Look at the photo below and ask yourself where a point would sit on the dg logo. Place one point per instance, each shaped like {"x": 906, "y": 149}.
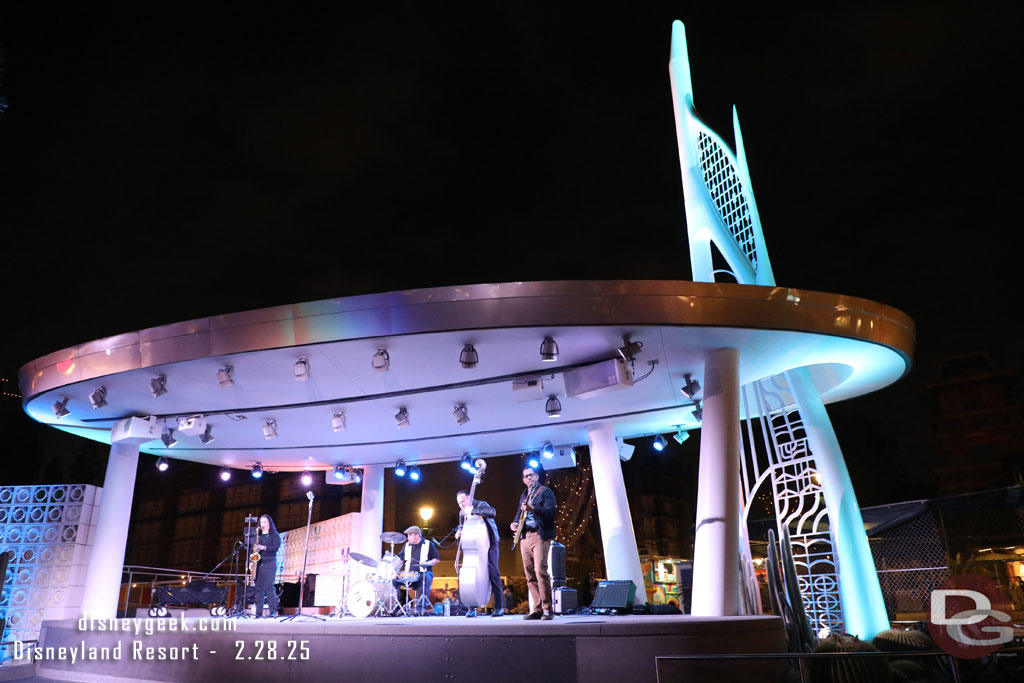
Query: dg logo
{"x": 968, "y": 616}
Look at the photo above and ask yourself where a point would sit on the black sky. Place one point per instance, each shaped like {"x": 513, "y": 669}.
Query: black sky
{"x": 163, "y": 164}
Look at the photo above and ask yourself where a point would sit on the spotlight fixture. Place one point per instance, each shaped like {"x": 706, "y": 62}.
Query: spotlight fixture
{"x": 357, "y": 476}
{"x": 98, "y": 398}
{"x": 533, "y": 462}
{"x": 60, "y": 407}
{"x": 225, "y": 473}
{"x": 306, "y": 478}
{"x": 681, "y": 435}
{"x": 402, "y": 418}
{"x": 548, "y": 451}
{"x": 226, "y": 377}
{"x": 691, "y": 388}
{"x": 207, "y": 436}
{"x": 629, "y": 348}
{"x": 158, "y": 385}
{"x": 162, "y": 464}
{"x": 302, "y": 369}
{"x": 400, "y": 468}
{"x": 339, "y": 471}
{"x": 257, "y": 471}
{"x": 548, "y": 350}
{"x": 270, "y": 430}
{"x": 338, "y": 422}
{"x": 467, "y": 462}
{"x": 381, "y": 361}
{"x": 460, "y": 414}
{"x": 659, "y": 443}
{"x": 168, "y": 437}
{"x": 469, "y": 358}
{"x": 553, "y": 407}
{"x": 414, "y": 473}
{"x": 698, "y": 412}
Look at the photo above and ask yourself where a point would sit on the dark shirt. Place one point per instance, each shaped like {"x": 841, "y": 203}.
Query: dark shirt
{"x": 414, "y": 556}
{"x": 544, "y": 510}
{"x": 273, "y": 543}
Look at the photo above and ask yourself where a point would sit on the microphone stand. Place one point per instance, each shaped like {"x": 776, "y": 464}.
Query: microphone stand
{"x": 242, "y": 579}
{"x": 302, "y": 576}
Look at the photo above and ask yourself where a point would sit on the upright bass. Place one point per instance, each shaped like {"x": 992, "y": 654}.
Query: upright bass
{"x": 474, "y": 584}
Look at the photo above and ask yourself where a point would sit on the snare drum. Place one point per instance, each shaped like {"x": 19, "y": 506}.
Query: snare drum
{"x": 408, "y": 577}
{"x": 365, "y": 597}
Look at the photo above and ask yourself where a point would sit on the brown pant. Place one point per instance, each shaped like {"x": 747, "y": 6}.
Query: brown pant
{"x": 535, "y": 562}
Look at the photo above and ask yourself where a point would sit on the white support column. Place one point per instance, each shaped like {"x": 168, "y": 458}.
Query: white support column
{"x": 859, "y": 590}
{"x": 620, "y": 555}
{"x": 371, "y": 517}
{"x": 716, "y": 541}
{"x": 106, "y": 560}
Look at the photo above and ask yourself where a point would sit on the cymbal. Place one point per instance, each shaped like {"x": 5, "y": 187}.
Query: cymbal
{"x": 392, "y": 537}
{"x": 363, "y": 559}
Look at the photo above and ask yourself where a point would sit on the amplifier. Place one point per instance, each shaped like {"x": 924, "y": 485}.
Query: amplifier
{"x": 614, "y": 596}
{"x": 564, "y": 600}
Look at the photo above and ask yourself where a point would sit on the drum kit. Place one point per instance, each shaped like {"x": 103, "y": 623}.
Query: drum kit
{"x": 375, "y": 595}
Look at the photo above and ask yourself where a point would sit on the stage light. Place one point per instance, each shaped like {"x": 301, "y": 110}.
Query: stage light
{"x": 691, "y": 388}
{"x": 270, "y": 430}
{"x": 302, "y": 369}
{"x": 426, "y": 513}
{"x": 460, "y": 414}
{"x": 629, "y": 348}
{"x": 698, "y": 412}
{"x": 414, "y": 473}
{"x": 339, "y": 471}
{"x": 400, "y": 468}
{"x": 168, "y": 437}
{"x": 306, "y": 478}
{"x": 226, "y": 377}
{"x": 469, "y": 358}
{"x": 162, "y": 464}
{"x": 60, "y": 407}
{"x": 467, "y": 462}
{"x": 533, "y": 462}
{"x": 225, "y": 473}
{"x": 681, "y": 435}
{"x": 548, "y": 350}
{"x": 553, "y": 407}
{"x": 381, "y": 361}
{"x": 207, "y": 436}
{"x": 357, "y": 476}
{"x": 338, "y": 421}
{"x": 98, "y": 398}
{"x": 257, "y": 471}
{"x": 402, "y": 418}
{"x": 659, "y": 443}
{"x": 548, "y": 451}
{"x": 158, "y": 385}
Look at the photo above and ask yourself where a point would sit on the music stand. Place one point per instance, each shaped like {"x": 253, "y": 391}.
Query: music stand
{"x": 302, "y": 576}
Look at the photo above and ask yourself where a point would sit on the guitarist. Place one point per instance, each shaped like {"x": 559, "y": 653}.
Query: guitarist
{"x": 468, "y": 506}
{"x": 537, "y": 514}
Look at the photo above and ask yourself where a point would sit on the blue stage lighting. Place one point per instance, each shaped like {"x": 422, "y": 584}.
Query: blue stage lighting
{"x": 257, "y": 471}
{"x": 533, "y": 462}
{"x": 414, "y": 473}
{"x": 400, "y": 468}
{"x": 659, "y": 443}
{"x": 548, "y": 451}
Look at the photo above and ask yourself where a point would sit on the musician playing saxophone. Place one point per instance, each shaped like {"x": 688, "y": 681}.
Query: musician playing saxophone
{"x": 266, "y": 545}
{"x": 482, "y": 509}
{"x": 538, "y": 504}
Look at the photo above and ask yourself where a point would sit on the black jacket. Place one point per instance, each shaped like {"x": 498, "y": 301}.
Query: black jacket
{"x": 483, "y": 509}
{"x": 544, "y": 510}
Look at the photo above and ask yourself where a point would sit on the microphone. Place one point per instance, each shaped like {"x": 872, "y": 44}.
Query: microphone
{"x": 309, "y": 494}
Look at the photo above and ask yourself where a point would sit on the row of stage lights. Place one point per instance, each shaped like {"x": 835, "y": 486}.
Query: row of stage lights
{"x": 341, "y": 472}
{"x": 380, "y": 362}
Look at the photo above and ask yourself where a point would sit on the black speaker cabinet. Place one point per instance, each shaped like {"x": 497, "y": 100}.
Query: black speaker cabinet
{"x": 556, "y": 562}
{"x": 564, "y": 600}
{"x": 614, "y": 596}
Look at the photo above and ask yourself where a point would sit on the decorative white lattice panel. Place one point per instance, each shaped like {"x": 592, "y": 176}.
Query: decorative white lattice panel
{"x": 48, "y": 529}
{"x": 329, "y": 545}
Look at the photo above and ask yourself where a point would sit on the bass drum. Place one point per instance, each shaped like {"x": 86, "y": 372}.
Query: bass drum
{"x": 364, "y": 597}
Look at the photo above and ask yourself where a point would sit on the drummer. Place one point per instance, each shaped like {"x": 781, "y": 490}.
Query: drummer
{"x": 418, "y": 553}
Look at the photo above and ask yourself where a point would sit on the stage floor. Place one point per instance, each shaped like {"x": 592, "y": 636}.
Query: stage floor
{"x": 589, "y": 649}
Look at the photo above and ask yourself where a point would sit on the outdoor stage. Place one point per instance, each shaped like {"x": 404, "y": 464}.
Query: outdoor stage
{"x": 571, "y": 648}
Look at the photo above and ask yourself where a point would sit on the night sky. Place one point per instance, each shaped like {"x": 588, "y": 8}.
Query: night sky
{"x": 161, "y": 165}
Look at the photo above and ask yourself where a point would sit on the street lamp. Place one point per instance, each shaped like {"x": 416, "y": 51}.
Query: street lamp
{"x": 426, "y": 513}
